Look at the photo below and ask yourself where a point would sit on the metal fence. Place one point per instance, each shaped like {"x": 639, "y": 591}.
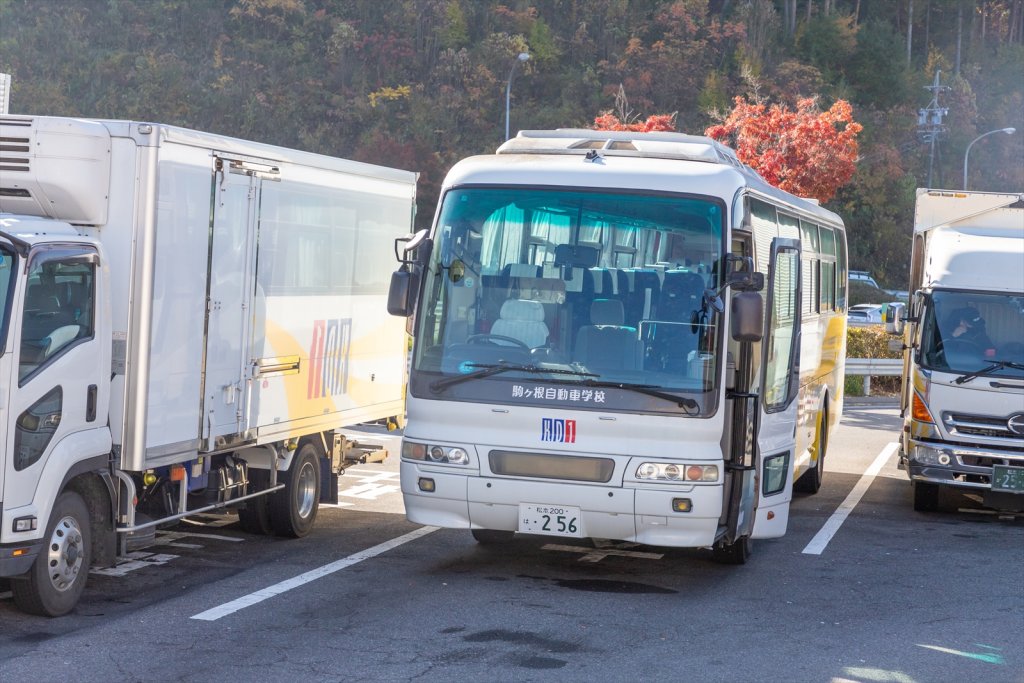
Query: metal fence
{"x": 873, "y": 367}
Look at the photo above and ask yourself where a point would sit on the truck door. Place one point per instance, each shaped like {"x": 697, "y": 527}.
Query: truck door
{"x": 60, "y": 359}
{"x": 780, "y": 384}
{"x": 229, "y": 303}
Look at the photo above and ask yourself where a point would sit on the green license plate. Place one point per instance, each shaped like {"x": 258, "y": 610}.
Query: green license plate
{"x": 1006, "y": 478}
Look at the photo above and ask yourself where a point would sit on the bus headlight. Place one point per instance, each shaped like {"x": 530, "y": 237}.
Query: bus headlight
{"x": 445, "y": 455}
{"x": 661, "y": 471}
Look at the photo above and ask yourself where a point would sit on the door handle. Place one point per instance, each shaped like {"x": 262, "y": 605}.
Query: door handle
{"x": 90, "y": 403}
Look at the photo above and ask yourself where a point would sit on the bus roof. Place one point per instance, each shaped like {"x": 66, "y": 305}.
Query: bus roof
{"x": 667, "y": 162}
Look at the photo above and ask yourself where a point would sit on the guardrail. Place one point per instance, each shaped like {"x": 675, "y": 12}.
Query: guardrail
{"x": 873, "y": 367}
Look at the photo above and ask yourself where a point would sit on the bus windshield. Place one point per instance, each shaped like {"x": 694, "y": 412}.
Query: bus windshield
{"x": 964, "y": 332}
{"x": 553, "y": 296}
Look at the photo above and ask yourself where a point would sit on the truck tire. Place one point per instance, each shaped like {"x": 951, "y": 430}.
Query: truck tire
{"x": 732, "y": 553}
{"x": 926, "y": 496}
{"x": 254, "y": 514}
{"x": 810, "y": 481}
{"x": 55, "y": 583}
{"x": 293, "y": 509}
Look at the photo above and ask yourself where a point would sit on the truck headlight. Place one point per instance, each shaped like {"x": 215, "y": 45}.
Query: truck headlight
{"x": 663, "y": 471}
{"x": 926, "y": 455}
{"x": 446, "y": 455}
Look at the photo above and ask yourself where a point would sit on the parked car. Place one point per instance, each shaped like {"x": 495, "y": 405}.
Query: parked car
{"x": 864, "y": 276}
{"x": 865, "y": 314}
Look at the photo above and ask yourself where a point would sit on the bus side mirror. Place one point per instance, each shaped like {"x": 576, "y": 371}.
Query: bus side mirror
{"x": 747, "y": 320}
{"x": 895, "y": 318}
{"x": 402, "y": 292}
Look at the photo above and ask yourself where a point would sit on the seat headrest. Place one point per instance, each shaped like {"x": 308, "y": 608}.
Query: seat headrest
{"x": 522, "y": 309}
{"x": 607, "y": 312}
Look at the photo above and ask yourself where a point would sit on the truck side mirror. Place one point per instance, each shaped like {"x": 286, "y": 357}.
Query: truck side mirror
{"x": 747, "y": 320}
{"x": 895, "y": 318}
{"x": 402, "y": 292}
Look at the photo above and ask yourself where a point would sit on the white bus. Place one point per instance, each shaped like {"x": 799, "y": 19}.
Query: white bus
{"x": 594, "y": 357}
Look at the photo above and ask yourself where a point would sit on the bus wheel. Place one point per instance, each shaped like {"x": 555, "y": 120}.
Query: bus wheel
{"x": 810, "y": 481}
{"x": 732, "y": 553}
{"x": 55, "y": 582}
{"x": 293, "y": 508}
{"x": 254, "y": 514}
{"x": 926, "y": 496}
{"x": 492, "y": 536}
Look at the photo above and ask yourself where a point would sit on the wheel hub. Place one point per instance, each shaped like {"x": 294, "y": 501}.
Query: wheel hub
{"x": 65, "y": 553}
{"x": 305, "y": 490}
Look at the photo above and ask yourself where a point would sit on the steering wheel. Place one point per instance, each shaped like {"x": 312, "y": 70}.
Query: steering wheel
{"x": 961, "y": 349}
{"x": 492, "y": 338}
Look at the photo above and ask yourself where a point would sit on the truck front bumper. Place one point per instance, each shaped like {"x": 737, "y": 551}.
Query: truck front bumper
{"x": 956, "y": 465}
{"x": 16, "y": 559}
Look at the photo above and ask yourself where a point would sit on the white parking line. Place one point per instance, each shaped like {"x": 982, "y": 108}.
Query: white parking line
{"x": 821, "y": 539}
{"x": 284, "y": 586}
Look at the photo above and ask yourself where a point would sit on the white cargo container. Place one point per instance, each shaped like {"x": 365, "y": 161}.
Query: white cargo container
{"x": 189, "y": 320}
{"x": 963, "y": 380}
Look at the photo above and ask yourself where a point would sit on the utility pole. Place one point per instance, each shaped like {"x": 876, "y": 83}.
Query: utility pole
{"x": 929, "y": 121}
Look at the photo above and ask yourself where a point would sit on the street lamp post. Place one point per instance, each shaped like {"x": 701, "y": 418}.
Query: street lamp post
{"x": 521, "y": 57}
{"x": 1008, "y": 131}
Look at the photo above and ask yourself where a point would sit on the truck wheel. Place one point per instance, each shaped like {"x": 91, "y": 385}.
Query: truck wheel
{"x": 732, "y": 553}
{"x": 55, "y": 582}
{"x": 492, "y": 536}
{"x": 254, "y": 515}
{"x": 810, "y": 481}
{"x": 293, "y": 508}
{"x": 926, "y": 496}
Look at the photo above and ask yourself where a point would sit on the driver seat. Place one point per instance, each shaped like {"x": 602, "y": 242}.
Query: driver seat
{"x": 522, "y": 319}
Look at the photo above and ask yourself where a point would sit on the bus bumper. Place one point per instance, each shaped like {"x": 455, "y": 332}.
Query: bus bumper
{"x": 640, "y": 515}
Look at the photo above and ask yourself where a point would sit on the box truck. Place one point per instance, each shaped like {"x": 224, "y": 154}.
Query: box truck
{"x": 189, "y": 321}
{"x": 962, "y": 398}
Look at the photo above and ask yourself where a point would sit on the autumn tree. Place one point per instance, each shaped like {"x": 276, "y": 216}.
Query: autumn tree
{"x": 623, "y": 118}
{"x": 808, "y": 152}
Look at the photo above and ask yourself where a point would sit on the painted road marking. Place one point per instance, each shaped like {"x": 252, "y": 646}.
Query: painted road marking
{"x": 822, "y": 538}
{"x": 604, "y": 549}
{"x": 266, "y": 593}
{"x": 368, "y": 491}
{"x": 135, "y": 560}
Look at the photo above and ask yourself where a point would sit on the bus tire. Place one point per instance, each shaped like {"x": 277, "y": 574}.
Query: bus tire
{"x": 293, "y": 509}
{"x": 732, "y": 553}
{"x": 492, "y": 536}
{"x": 57, "y": 578}
{"x": 926, "y": 496}
{"x": 810, "y": 481}
{"x": 254, "y": 514}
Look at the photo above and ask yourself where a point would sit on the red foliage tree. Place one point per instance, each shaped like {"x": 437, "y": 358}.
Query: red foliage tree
{"x": 808, "y": 152}
{"x": 656, "y": 122}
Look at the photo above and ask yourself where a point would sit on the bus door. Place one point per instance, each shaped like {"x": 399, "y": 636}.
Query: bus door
{"x": 780, "y": 385}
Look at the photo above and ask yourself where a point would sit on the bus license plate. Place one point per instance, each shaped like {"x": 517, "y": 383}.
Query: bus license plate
{"x": 1006, "y": 478}
{"x": 551, "y": 520}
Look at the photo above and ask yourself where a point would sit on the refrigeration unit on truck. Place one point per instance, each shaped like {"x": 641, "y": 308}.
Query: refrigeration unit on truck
{"x": 623, "y": 336}
{"x": 189, "y": 320}
{"x": 963, "y": 381}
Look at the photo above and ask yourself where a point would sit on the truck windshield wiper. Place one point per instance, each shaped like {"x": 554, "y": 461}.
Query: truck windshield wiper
{"x": 996, "y": 365}
{"x": 486, "y": 370}
{"x": 648, "y": 389}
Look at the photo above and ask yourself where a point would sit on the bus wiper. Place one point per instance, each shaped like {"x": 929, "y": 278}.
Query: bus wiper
{"x": 650, "y": 390}
{"x": 486, "y": 370}
{"x": 996, "y": 365}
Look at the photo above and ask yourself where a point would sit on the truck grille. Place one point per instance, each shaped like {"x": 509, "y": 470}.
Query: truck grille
{"x": 550, "y": 466}
{"x": 14, "y": 145}
{"x": 960, "y": 424}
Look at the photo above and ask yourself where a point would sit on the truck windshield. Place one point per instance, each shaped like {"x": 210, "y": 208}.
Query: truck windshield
{"x": 964, "y": 332}
{"x": 588, "y": 290}
{"x": 7, "y": 271}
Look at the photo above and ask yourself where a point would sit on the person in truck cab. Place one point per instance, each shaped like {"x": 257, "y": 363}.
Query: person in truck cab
{"x": 970, "y": 328}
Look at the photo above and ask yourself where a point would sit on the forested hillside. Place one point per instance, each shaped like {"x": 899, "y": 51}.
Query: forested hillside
{"x": 418, "y": 84}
